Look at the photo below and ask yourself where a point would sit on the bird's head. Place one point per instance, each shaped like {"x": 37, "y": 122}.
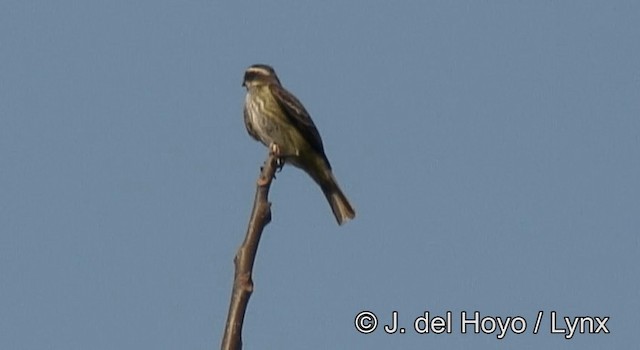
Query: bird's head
{"x": 259, "y": 74}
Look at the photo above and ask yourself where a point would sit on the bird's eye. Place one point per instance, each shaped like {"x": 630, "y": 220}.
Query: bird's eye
{"x": 251, "y": 76}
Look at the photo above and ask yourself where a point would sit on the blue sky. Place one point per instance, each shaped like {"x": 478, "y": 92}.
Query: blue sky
{"x": 491, "y": 149}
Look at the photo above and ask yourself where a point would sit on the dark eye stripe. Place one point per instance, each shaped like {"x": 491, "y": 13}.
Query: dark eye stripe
{"x": 252, "y": 75}
{"x": 260, "y": 72}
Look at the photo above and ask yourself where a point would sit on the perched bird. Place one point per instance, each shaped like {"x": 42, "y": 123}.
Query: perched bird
{"x": 273, "y": 116}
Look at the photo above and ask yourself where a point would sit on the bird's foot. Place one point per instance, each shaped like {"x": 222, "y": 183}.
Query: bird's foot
{"x": 279, "y": 165}
{"x": 275, "y": 150}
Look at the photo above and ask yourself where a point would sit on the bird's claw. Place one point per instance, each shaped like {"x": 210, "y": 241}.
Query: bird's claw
{"x": 275, "y": 150}
{"x": 279, "y": 165}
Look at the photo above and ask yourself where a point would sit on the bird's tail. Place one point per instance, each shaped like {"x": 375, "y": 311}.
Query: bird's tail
{"x": 342, "y": 209}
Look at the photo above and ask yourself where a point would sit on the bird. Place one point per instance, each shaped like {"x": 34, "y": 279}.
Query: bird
{"x": 277, "y": 119}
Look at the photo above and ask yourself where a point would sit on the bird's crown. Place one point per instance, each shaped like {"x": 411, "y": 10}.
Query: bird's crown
{"x": 260, "y": 73}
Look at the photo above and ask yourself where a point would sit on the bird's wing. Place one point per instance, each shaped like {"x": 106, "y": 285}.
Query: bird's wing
{"x": 298, "y": 116}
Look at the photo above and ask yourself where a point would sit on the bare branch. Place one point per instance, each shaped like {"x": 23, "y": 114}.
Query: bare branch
{"x": 246, "y": 255}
